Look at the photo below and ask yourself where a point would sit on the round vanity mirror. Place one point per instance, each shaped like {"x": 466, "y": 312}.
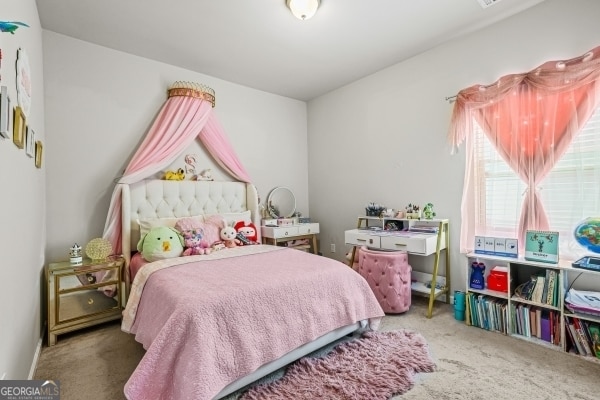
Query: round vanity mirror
{"x": 281, "y": 203}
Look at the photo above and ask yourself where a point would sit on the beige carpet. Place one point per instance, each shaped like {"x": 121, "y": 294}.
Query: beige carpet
{"x": 95, "y": 363}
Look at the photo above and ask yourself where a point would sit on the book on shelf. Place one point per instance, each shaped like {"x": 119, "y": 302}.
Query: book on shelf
{"x": 552, "y": 281}
{"x": 556, "y": 293}
{"x": 533, "y": 322}
{"x": 570, "y": 328}
{"x": 530, "y": 287}
{"x": 582, "y": 337}
{"x": 544, "y": 297}
{"x": 557, "y": 328}
{"x": 538, "y": 323}
{"x": 539, "y": 289}
{"x": 545, "y": 333}
{"x": 594, "y": 330}
{"x": 468, "y": 309}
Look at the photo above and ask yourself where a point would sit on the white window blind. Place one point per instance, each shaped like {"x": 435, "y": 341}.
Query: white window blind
{"x": 570, "y": 192}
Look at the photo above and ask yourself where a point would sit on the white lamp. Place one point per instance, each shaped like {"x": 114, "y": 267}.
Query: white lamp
{"x": 303, "y": 9}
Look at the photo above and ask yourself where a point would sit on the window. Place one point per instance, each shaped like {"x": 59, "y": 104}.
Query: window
{"x": 570, "y": 192}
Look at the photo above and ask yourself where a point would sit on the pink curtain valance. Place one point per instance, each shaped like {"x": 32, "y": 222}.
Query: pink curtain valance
{"x": 552, "y": 78}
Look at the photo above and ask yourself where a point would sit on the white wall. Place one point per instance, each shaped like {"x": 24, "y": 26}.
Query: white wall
{"x": 383, "y": 138}
{"x": 100, "y": 103}
{"x": 22, "y": 208}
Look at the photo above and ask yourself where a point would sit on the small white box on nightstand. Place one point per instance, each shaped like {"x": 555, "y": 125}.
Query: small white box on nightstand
{"x": 269, "y": 222}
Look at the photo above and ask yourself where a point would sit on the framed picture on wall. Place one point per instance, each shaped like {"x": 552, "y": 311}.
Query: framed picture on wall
{"x": 39, "y": 149}
{"x": 30, "y": 142}
{"x": 19, "y": 127}
{"x": 4, "y": 112}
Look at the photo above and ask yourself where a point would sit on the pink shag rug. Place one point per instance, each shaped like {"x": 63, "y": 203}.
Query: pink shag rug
{"x": 376, "y": 366}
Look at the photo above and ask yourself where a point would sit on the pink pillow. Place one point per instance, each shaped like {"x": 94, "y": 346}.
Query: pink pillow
{"x": 189, "y": 223}
{"x": 212, "y": 228}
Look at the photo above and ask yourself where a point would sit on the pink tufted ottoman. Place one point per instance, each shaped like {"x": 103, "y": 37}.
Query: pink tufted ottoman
{"x": 388, "y": 275}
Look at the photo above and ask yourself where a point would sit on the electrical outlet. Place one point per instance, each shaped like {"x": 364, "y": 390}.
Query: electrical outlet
{"x": 333, "y": 247}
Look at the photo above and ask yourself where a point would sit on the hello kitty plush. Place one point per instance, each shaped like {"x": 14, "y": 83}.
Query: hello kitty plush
{"x": 228, "y": 235}
{"x": 194, "y": 242}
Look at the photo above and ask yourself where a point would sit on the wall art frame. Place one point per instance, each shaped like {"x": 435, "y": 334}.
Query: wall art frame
{"x": 30, "y": 142}
{"x": 39, "y": 152}
{"x": 19, "y": 127}
{"x": 24, "y": 86}
{"x": 5, "y": 113}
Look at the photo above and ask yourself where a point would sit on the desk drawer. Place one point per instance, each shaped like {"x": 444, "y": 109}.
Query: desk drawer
{"x": 308, "y": 229}
{"x": 419, "y": 244}
{"x": 357, "y": 238}
{"x": 279, "y": 232}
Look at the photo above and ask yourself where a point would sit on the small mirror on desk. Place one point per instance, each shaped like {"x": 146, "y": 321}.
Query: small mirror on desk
{"x": 281, "y": 203}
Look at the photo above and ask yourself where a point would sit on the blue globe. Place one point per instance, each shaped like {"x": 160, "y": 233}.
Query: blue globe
{"x": 587, "y": 234}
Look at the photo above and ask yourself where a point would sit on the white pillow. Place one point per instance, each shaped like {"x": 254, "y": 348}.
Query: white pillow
{"x": 147, "y": 224}
{"x": 232, "y": 218}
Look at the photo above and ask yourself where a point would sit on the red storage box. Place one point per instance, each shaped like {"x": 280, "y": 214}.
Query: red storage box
{"x": 498, "y": 279}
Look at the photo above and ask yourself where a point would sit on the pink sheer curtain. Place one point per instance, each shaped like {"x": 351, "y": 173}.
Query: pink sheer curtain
{"x": 531, "y": 119}
{"x": 186, "y": 115}
{"x": 219, "y": 147}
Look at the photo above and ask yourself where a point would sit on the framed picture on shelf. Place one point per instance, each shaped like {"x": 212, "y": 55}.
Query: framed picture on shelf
{"x": 19, "y": 127}
{"x": 39, "y": 150}
{"x": 541, "y": 246}
{"x": 4, "y": 113}
{"x": 30, "y": 142}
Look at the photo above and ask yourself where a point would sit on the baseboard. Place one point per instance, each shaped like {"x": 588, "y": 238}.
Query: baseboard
{"x": 36, "y": 355}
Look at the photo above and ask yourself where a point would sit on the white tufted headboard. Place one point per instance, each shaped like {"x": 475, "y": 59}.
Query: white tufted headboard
{"x": 150, "y": 199}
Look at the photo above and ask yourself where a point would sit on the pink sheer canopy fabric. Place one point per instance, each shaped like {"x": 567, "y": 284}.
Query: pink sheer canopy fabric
{"x": 531, "y": 119}
{"x": 186, "y": 115}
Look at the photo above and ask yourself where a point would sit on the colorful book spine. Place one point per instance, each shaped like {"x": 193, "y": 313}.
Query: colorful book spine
{"x": 582, "y": 338}
{"x": 551, "y": 287}
{"x": 545, "y": 326}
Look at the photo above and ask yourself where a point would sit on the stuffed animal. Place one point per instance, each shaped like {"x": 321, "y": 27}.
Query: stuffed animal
{"x": 428, "y": 211}
{"x": 217, "y": 246}
{"x": 194, "y": 242}
{"x": 248, "y": 230}
{"x": 205, "y": 175}
{"x": 228, "y": 235}
{"x": 160, "y": 243}
{"x": 178, "y": 175}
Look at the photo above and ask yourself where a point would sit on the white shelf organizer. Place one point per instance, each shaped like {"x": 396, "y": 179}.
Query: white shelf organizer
{"x": 371, "y": 232}
{"x": 519, "y": 271}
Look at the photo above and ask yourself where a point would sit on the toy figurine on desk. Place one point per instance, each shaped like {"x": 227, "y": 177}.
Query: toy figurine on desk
{"x": 428, "y": 212}
{"x": 477, "y": 281}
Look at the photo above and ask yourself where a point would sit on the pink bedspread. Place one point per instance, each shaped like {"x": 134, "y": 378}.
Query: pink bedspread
{"x": 206, "y": 323}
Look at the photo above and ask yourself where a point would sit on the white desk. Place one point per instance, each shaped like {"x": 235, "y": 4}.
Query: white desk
{"x": 416, "y": 243}
{"x": 281, "y": 234}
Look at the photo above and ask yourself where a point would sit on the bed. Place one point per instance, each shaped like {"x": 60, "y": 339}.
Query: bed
{"x": 212, "y": 324}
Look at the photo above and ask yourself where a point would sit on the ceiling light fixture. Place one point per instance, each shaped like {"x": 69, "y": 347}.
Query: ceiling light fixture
{"x": 303, "y": 9}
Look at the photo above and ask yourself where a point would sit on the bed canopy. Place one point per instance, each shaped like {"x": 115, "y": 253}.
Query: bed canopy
{"x": 186, "y": 115}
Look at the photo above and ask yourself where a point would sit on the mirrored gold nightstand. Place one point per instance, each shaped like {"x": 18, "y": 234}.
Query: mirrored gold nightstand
{"x": 83, "y": 295}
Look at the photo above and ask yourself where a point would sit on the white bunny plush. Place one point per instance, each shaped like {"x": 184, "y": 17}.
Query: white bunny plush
{"x": 228, "y": 235}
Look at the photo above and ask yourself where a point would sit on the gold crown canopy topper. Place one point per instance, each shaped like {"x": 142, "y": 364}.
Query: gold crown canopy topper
{"x": 192, "y": 89}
